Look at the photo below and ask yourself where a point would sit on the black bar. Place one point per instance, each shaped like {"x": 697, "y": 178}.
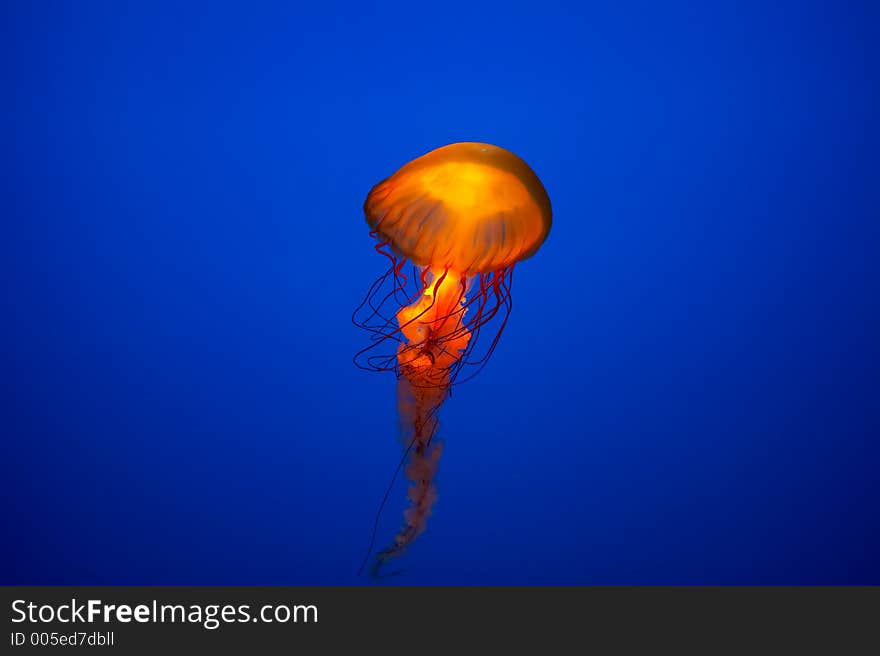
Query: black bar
{"x": 414, "y": 619}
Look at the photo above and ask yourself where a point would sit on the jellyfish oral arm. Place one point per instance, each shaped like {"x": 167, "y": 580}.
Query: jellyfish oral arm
{"x": 426, "y": 327}
{"x": 435, "y": 337}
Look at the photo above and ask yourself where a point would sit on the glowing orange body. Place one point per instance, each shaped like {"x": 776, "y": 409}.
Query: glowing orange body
{"x": 465, "y": 213}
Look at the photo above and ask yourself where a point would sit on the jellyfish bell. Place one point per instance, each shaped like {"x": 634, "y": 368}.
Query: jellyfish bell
{"x": 452, "y": 224}
{"x": 467, "y": 207}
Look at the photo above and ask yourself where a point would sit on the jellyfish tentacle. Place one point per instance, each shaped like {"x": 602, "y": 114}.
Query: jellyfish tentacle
{"x": 435, "y": 336}
{"x": 433, "y": 318}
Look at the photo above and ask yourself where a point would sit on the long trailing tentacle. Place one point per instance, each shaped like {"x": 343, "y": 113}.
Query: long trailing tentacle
{"x": 486, "y": 309}
{"x": 426, "y": 328}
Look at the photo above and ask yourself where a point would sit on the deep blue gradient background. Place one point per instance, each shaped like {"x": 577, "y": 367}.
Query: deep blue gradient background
{"x": 687, "y": 391}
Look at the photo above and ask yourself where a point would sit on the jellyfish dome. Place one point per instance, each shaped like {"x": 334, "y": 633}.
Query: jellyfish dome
{"x": 469, "y": 207}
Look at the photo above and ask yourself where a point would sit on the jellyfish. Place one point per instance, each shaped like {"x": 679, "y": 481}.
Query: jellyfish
{"x": 452, "y": 225}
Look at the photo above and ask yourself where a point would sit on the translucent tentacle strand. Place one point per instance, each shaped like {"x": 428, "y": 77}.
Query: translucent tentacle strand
{"x": 425, "y": 327}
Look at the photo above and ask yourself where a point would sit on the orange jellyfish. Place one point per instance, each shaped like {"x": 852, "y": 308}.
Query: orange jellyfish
{"x": 462, "y": 216}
